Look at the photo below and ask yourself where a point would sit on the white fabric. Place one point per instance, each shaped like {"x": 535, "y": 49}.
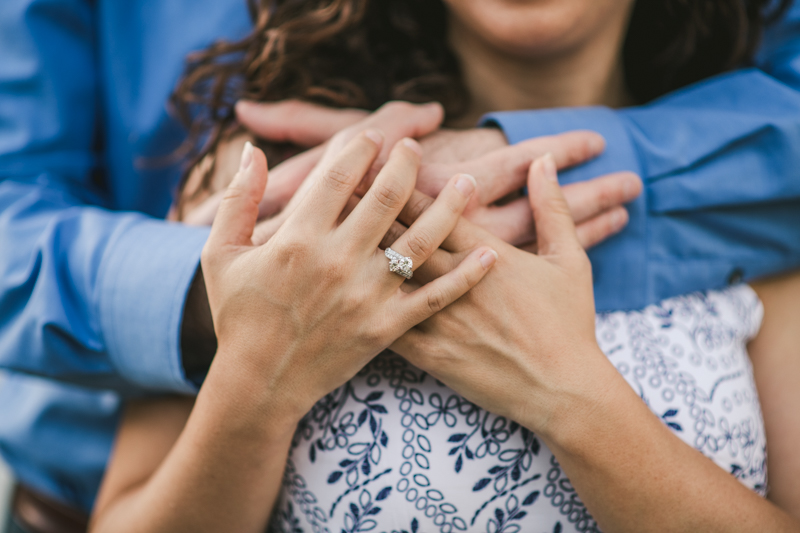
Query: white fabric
{"x": 394, "y": 450}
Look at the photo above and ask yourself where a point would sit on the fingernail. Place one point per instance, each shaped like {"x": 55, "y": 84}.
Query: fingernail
{"x": 549, "y": 167}
{"x": 414, "y": 145}
{"x": 375, "y": 136}
{"x": 247, "y": 156}
{"x": 597, "y": 144}
{"x": 618, "y": 220}
{"x": 466, "y": 185}
{"x": 488, "y": 258}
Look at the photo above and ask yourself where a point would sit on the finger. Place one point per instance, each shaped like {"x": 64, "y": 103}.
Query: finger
{"x": 285, "y": 180}
{"x": 403, "y": 119}
{"x": 555, "y": 230}
{"x": 435, "y": 224}
{"x": 437, "y": 263}
{"x": 505, "y": 170}
{"x": 328, "y": 195}
{"x": 465, "y": 236}
{"x": 296, "y": 122}
{"x": 591, "y": 203}
{"x": 434, "y": 296}
{"x": 588, "y": 199}
{"x": 267, "y": 228}
{"x": 238, "y": 210}
{"x": 396, "y": 231}
{"x": 374, "y": 214}
{"x": 512, "y": 223}
{"x": 597, "y": 229}
{"x": 398, "y": 120}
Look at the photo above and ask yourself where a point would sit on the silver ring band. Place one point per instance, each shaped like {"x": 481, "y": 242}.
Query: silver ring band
{"x": 399, "y": 264}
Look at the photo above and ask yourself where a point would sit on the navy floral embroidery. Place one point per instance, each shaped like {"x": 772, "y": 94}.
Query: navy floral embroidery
{"x": 395, "y": 451}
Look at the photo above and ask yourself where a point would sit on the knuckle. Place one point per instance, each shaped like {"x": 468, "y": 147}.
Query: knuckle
{"x": 605, "y": 197}
{"x": 420, "y": 244}
{"x": 557, "y": 206}
{"x": 234, "y": 193}
{"x": 339, "y": 179}
{"x": 455, "y": 205}
{"x": 436, "y": 300}
{"x": 417, "y": 206}
{"x": 388, "y": 196}
{"x": 294, "y": 250}
{"x": 465, "y": 280}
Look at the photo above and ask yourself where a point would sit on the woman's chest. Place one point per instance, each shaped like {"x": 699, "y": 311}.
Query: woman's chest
{"x": 394, "y": 450}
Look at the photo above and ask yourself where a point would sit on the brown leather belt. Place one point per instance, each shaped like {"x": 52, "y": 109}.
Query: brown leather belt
{"x": 39, "y": 514}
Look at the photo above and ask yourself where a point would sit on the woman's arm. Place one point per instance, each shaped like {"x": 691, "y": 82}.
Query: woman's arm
{"x": 331, "y": 303}
{"x": 522, "y": 345}
{"x": 217, "y": 469}
{"x": 775, "y": 353}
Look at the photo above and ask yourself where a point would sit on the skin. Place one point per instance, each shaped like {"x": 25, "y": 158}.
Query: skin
{"x": 500, "y": 169}
{"x": 316, "y": 277}
{"x": 222, "y": 458}
{"x": 548, "y": 53}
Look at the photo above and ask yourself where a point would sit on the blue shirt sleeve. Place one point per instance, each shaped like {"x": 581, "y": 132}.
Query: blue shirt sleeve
{"x": 87, "y": 294}
{"x": 721, "y": 165}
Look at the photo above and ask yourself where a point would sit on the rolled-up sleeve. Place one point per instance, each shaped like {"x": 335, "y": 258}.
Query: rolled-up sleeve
{"x": 87, "y": 294}
{"x": 721, "y": 165}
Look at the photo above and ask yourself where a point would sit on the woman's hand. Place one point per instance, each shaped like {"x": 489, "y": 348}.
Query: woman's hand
{"x": 300, "y": 315}
{"x": 521, "y": 344}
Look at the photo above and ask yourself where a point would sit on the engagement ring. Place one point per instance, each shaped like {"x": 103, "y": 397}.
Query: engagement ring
{"x": 399, "y": 264}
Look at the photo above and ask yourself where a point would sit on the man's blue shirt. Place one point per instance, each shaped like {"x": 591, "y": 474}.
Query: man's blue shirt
{"x": 92, "y": 282}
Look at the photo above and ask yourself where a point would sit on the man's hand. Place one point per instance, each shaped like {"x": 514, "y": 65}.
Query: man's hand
{"x": 499, "y": 169}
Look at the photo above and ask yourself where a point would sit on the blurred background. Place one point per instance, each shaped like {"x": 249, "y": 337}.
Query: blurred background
{"x": 5, "y": 491}
{"x": 5, "y": 486}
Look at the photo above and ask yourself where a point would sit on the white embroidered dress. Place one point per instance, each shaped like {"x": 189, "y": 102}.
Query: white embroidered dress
{"x": 396, "y": 451}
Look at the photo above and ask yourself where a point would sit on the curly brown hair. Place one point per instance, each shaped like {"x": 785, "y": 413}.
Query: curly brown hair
{"x": 363, "y": 53}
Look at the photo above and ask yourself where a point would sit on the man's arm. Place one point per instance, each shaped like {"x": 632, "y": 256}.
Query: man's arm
{"x": 720, "y": 161}
{"x": 86, "y": 294}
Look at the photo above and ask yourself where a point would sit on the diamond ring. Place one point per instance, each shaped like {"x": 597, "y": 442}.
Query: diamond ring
{"x": 399, "y": 264}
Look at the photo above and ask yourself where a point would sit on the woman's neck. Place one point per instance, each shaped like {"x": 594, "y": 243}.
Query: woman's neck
{"x": 591, "y": 74}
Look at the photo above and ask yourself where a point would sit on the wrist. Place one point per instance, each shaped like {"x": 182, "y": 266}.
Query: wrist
{"x": 245, "y": 400}
{"x": 589, "y": 409}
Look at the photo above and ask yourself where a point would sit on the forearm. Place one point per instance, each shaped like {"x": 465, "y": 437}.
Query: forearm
{"x": 223, "y": 473}
{"x": 634, "y": 475}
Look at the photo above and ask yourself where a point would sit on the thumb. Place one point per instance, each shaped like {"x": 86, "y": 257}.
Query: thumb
{"x": 555, "y": 230}
{"x": 238, "y": 210}
{"x": 296, "y": 122}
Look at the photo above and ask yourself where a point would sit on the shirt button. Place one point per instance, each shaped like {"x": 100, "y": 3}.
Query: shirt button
{"x": 736, "y": 276}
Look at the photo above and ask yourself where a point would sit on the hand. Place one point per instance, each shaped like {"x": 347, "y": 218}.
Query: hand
{"x": 522, "y": 343}
{"x": 286, "y": 185}
{"x": 483, "y": 152}
{"x": 303, "y": 313}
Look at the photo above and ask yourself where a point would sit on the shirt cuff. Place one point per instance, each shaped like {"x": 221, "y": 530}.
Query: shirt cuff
{"x": 619, "y": 155}
{"x": 144, "y": 278}
{"x": 617, "y": 284}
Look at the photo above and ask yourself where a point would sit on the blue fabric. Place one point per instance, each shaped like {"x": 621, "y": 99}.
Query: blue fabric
{"x": 92, "y": 283}
{"x": 721, "y": 165}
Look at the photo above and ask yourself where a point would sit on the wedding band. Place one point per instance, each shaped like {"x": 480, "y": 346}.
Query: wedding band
{"x": 399, "y": 264}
